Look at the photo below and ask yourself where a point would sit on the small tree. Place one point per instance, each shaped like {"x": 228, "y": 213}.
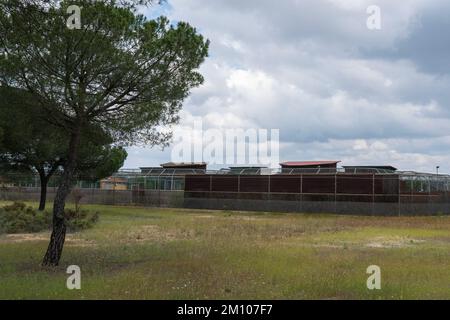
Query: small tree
{"x": 30, "y": 145}
{"x": 120, "y": 71}
{"x": 77, "y": 195}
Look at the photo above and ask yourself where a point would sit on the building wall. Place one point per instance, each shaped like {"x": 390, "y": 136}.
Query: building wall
{"x": 106, "y": 185}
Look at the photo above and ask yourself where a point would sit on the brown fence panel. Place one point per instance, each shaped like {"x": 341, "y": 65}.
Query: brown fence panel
{"x": 318, "y": 184}
{"x": 253, "y": 183}
{"x": 227, "y": 183}
{"x": 285, "y": 184}
{"x": 197, "y": 183}
{"x": 355, "y": 184}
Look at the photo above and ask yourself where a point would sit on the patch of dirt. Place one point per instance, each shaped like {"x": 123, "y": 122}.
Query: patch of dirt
{"x": 77, "y": 242}
{"x": 155, "y": 233}
{"x": 204, "y": 216}
{"x": 239, "y": 218}
{"x": 24, "y": 237}
{"x": 332, "y": 246}
{"x": 71, "y": 240}
{"x": 247, "y": 218}
{"x": 377, "y": 242}
{"x": 394, "y": 242}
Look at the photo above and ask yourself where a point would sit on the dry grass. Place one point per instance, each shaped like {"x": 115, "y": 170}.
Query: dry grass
{"x": 142, "y": 253}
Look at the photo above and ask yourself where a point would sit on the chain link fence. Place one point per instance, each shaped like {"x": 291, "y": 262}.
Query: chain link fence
{"x": 395, "y": 194}
{"x": 340, "y": 193}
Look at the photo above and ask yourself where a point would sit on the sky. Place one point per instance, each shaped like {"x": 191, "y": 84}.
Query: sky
{"x": 335, "y": 89}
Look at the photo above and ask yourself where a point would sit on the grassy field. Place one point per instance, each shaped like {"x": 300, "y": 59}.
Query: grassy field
{"x": 137, "y": 253}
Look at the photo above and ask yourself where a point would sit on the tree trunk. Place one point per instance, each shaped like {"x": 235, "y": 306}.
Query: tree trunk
{"x": 44, "y": 181}
{"x": 58, "y": 236}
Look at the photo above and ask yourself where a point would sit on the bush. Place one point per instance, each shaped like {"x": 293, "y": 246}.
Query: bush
{"x": 18, "y": 218}
{"x": 80, "y": 219}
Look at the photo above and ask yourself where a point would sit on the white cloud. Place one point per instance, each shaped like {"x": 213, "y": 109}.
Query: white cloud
{"x": 312, "y": 69}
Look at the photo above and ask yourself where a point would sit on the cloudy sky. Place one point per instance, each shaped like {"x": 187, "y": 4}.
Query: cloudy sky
{"x": 334, "y": 88}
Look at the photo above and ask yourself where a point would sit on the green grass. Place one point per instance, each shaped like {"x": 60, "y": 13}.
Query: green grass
{"x": 138, "y": 253}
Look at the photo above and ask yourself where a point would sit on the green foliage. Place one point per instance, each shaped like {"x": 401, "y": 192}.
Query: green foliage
{"x": 77, "y": 220}
{"x": 119, "y": 72}
{"x": 28, "y": 141}
{"x": 20, "y": 218}
{"x": 101, "y": 162}
{"x": 122, "y": 72}
{"x": 30, "y": 144}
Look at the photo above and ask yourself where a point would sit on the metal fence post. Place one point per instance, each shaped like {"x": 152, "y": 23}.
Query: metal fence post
{"x": 373, "y": 194}
{"x": 159, "y": 191}
{"x": 301, "y": 192}
{"x": 335, "y": 193}
{"x": 399, "y": 197}
{"x": 114, "y": 194}
{"x": 301, "y": 184}
{"x": 429, "y": 193}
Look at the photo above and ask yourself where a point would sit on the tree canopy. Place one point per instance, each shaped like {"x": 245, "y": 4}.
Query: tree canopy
{"x": 125, "y": 73}
{"x": 30, "y": 145}
{"x": 118, "y": 72}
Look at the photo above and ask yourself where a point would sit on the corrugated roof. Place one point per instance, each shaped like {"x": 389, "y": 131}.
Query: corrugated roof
{"x": 386, "y": 167}
{"x": 183, "y": 164}
{"x": 307, "y": 163}
{"x": 114, "y": 179}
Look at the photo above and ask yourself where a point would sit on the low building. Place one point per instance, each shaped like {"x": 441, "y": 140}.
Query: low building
{"x": 176, "y": 168}
{"x": 114, "y": 183}
{"x": 255, "y": 170}
{"x": 308, "y": 166}
{"x": 169, "y": 176}
{"x": 184, "y": 165}
{"x": 369, "y": 169}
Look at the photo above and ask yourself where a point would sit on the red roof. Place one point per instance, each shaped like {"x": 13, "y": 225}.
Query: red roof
{"x": 307, "y": 163}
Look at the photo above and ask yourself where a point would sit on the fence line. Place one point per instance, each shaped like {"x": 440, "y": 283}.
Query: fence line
{"x": 377, "y": 194}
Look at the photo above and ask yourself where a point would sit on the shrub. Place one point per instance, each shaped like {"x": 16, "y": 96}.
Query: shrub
{"x": 80, "y": 219}
{"x": 18, "y": 218}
